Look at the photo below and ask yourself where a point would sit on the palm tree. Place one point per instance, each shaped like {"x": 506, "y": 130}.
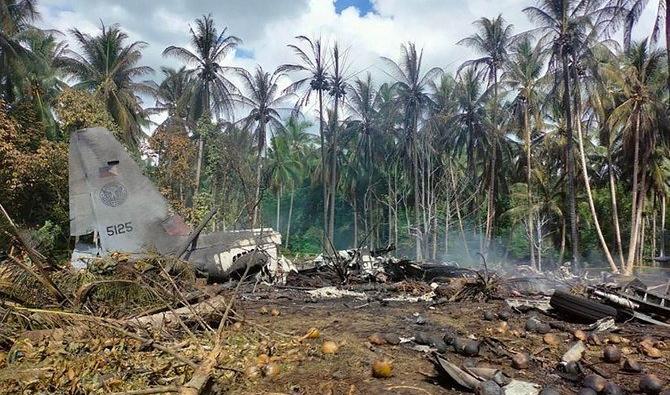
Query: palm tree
{"x": 641, "y": 117}
{"x": 633, "y": 10}
{"x": 109, "y": 67}
{"x": 300, "y": 143}
{"x": 523, "y": 75}
{"x": 284, "y": 167}
{"x": 337, "y": 89}
{"x": 16, "y": 17}
{"x": 212, "y": 91}
{"x": 173, "y": 95}
{"x": 42, "y": 76}
{"x": 313, "y": 63}
{"x": 262, "y": 96}
{"x": 413, "y": 96}
{"x": 563, "y": 26}
{"x": 492, "y": 40}
{"x": 367, "y": 146}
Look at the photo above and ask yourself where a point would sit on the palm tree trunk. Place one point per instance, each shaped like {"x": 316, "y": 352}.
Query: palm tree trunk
{"x": 355, "y": 222}
{"x": 561, "y": 253}
{"x": 395, "y": 208}
{"x": 434, "y": 230}
{"x": 415, "y": 165}
{"x": 585, "y": 175}
{"x": 324, "y": 179}
{"x": 539, "y": 245}
{"x": 458, "y": 214}
{"x": 198, "y": 167}
{"x": 635, "y": 230}
{"x": 667, "y": 40}
{"x": 259, "y": 171}
{"x": 389, "y": 212}
{"x": 333, "y": 177}
{"x": 663, "y": 224}
{"x": 574, "y": 241}
{"x": 653, "y": 228}
{"x": 615, "y": 209}
{"x": 632, "y": 246}
{"x": 278, "y": 206}
{"x": 447, "y": 217}
{"x": 290, "y": 214}
{"x": 366, "y": 209}
{"x": 526, "y": 127}
{"x": 643, "y": 226}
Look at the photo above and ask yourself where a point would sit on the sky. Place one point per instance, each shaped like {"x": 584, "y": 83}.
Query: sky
{"x": 366, "y": 29}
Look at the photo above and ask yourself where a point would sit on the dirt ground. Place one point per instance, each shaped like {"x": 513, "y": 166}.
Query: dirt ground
{"x": 267, "y": 352}
{"x": 350, "y": 322}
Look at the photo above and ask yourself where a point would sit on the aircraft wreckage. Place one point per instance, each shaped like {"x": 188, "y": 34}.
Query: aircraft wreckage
{"x": 115, "y": 208}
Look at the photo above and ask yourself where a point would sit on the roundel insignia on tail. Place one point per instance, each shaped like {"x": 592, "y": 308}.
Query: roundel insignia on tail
{"x": 113, "y": 194}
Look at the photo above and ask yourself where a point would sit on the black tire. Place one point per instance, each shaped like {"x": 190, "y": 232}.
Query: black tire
{"x": 579, "y": 308}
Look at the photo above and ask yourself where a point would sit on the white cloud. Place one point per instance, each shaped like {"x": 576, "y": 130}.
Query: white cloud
{"x": 268, "y": 26}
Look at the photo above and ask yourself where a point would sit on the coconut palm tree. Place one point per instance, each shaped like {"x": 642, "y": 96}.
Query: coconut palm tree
{"x": 284, "y": 168}
{"x": 300, "y": 143}
{"x": 172, "y": 97}
{"x": 261, "y": 94}
{"x": 16, "y": 17}
{"x": 412, "y": 88}
{"x": 337, "y": 89}
{"x": 108, "y": 66}
{"x": 523, "y": 75}
{"x": 313, "y": 65}
{"x": 564, "y": 26}
{"x": 492, "y": 40}
{"x": 633, "y": 9}
{"x": 173, "y": 94}
{"x": 641, "y": 117}
{"x": 212, "y": 91}
{"x": 42, "y": 77}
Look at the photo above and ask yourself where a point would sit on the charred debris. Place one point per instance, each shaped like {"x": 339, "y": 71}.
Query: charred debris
{"x": 225, "y": 313}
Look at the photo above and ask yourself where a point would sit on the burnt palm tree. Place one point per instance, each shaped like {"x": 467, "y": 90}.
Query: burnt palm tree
{"x": 108, "y": 66}
{"x": 212, "y": 91}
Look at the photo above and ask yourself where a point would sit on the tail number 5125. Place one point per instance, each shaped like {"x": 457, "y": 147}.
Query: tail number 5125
{"x": 119, "y": 229}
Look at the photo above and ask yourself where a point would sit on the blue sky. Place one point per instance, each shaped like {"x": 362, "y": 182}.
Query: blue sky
{"x": 363, "y": 6}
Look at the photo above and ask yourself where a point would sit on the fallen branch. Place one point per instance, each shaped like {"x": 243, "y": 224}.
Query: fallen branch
{"x": 202, "y": 374}
{"x": 42, "y": 279}
{"x": 146, "y": 391}
{"x": 32, "y": 253}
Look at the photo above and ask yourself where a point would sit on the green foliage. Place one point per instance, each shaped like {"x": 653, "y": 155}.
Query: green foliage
{"x": 33, "y": 172}
{"x": 78, "y": 109}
